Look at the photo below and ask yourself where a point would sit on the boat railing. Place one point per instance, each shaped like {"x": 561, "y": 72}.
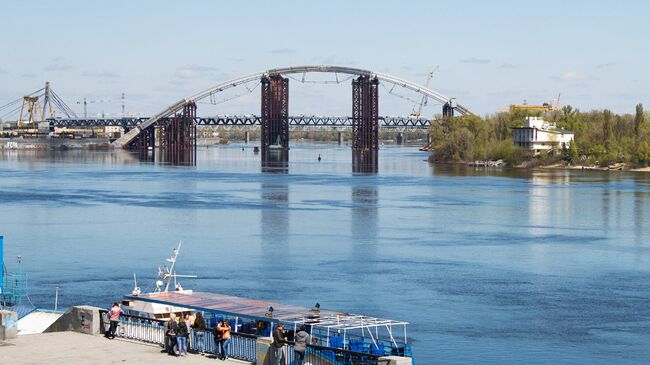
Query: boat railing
{"x": 320, "y": 355}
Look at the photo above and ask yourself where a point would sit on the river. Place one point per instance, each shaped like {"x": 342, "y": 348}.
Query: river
{"x": 488, "y": 265}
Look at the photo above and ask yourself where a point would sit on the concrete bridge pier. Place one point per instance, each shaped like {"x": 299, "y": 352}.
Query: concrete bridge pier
{"x": 340, "y": 138}
{"x": 247, "y": 137}
{"x": 400, "y": 138}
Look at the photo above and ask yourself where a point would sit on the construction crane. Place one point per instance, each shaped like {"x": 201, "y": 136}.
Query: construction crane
{"x": 85, "y": 102}
{"x": 423, "y": 101}
{"x": 545, "y": 107}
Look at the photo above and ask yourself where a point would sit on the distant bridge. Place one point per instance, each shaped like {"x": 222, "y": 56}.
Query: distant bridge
{"x": 399, "y": 122}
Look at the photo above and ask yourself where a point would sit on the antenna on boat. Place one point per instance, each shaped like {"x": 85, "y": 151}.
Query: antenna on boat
{"x": 169, "y": 273}
{"x": 136, "y": 288}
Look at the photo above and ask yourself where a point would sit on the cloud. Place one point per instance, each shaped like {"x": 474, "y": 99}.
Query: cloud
{"x": 55, "y": 67}
{"x": 578, "y": 79}
{"x": 194, "y": 71}
{"x": 283, "y": 51}
{"x": 508, "y": 65}
{"x": 606, "y": 65}
{"x": 101, "y": 74}
{"x": 571, "y": 75}
{"x": 3, "y": 72}
{"x": 28, "y": 75}
{"x": 476, "y": 60}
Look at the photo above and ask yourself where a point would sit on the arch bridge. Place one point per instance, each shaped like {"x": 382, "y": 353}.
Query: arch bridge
{"x": 177, "y": 123}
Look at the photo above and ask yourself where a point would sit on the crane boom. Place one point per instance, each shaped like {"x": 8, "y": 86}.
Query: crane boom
{"x": 423, "y": 101}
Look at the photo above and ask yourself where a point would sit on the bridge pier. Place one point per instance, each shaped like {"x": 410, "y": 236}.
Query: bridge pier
{"x": 340, "y": 138}
{"x": 448, "y": 109}
{"x": 400, "y": 138}
{"x": 144, "y": 144}
{"x": 178, "y": 137}
{"x": 247, "y": 137}
{"x": 275, "y": 120}
{"x": 365, "y": 124}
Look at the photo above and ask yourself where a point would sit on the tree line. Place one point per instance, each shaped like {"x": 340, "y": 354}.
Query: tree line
{"x": 602, "y": 138}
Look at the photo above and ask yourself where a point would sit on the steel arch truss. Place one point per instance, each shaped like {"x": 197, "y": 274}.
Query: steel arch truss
{"x": 128, "y": 137}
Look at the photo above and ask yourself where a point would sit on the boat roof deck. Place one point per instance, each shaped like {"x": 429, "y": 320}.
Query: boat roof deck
{"x": 256, "y": 309}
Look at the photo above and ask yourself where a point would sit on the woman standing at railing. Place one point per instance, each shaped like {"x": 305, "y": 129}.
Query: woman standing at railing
{"x": 199, "y": 330}
{"x": 225, "y": 339}
{"x": 114, "y": 315}
{"x": 172, "y": 327}
{"x": 301, "y": 339}
{"x": 181, "y": 336}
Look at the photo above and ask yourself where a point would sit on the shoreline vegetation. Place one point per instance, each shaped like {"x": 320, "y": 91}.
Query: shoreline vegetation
{"x": 603, "y": 140}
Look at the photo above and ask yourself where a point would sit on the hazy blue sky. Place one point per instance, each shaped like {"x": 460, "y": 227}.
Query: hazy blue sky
{"x": 490, "y": 53}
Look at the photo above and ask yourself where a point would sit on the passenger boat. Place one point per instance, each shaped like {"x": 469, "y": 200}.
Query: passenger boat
{"x": 336, "y": 330}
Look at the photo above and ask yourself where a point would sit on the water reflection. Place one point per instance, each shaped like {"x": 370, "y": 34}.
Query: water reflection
{"x": 364, "y": 224}
{"x": 275, "y": 214}
{"x": 641, "y": 198}
{"x": 365, "y": 161}
{"x": 275, "y": 161}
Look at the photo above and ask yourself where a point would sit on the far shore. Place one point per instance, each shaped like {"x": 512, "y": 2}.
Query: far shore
{"x": 556, "y": 166}
{"x": 619, "y": 167}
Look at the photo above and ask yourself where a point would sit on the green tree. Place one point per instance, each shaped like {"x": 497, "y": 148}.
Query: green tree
{"x": 639, "y": 119}
{"x": 643, "y": 153}
{"x": 607, "y": 128}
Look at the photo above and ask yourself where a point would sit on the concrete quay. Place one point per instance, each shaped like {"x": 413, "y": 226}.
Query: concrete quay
{"x": 73, "y": 348}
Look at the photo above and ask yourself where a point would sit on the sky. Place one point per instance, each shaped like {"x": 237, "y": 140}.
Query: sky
{"x": 488, "y": 54}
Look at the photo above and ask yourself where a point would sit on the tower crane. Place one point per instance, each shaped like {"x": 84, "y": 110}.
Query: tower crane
{"x": 85, "y": 102}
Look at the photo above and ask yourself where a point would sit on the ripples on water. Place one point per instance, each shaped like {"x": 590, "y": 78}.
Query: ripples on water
{"x": 489, "y": 266}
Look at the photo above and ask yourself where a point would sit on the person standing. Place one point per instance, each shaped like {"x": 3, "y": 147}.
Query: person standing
{"x": 301, "y": 339}
{"x": 181, "y": 337}
{"x": 279, "y": 340}
{"x": 225, "y": 340}
{"x": 189, "y": 321}
{"x": 218, "y": 334}
{"x": 172, "y": 327}
{"x": 114, "y": 316}
{"x": 199, "y": 329}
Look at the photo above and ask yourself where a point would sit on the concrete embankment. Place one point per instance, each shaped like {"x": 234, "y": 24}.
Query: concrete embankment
{"x": 73, "y": 348}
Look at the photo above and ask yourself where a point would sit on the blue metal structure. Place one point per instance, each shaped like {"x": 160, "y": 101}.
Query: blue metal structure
{"x": 13, "y": 286}
{"x": 334, "y": 331}
{"x": 2, "y": 272}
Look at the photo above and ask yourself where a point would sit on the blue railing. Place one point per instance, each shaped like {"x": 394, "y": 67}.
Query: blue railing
{"x": 242, "y": 346}
{"x": 318, "y": 355}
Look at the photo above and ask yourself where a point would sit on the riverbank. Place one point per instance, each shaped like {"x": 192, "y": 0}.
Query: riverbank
{"x": 532, "y": 164}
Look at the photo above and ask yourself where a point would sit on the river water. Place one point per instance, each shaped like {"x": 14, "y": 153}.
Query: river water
{"x": 489, "y": 266}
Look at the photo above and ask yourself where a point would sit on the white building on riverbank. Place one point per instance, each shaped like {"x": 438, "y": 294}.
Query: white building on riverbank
{"x": 539, "y": 135}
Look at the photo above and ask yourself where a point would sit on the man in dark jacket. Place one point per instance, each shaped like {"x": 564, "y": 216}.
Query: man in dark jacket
{"x": 279, "y": 340}
{"x": 172, "y": 327}
{"x": 301, "y": 339}
{"x": 199, "y": 329}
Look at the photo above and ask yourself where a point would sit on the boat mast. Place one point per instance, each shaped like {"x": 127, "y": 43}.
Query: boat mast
{"x": 170, "y": 272}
